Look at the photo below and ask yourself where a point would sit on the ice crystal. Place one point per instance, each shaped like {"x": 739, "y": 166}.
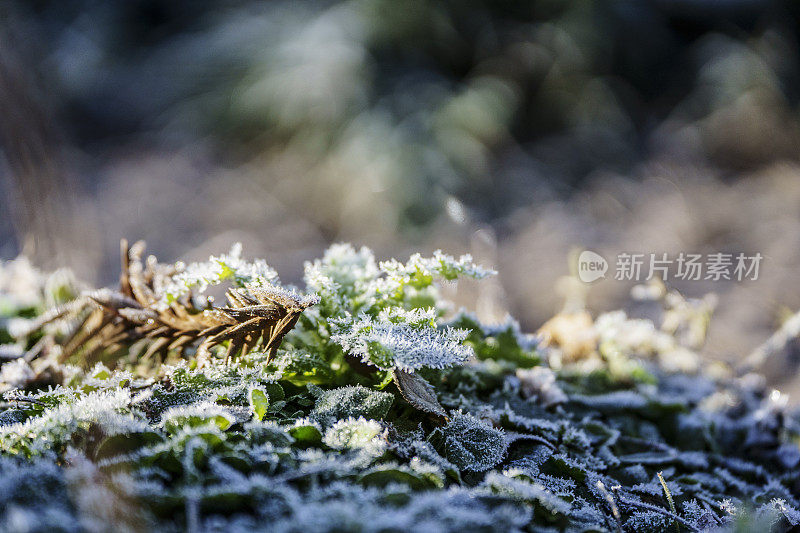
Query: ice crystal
{"x": 526, "y": 491}
{"x": 342, "y": 268}
{"x": 108, "y": 411}
{"x": 16, "y": 374}
{"x": 349, "y": 402}
{"x": 195, "y": 415}
{"x": 419, "y": 270}
{"x": 407, "y": 346}
{"x": 469, "y": 443}
{"x": 377, "y": 415}
{"x": 539, "y": 384}
{"x": 355, "y": 433}
{"x": 225, "y": 267}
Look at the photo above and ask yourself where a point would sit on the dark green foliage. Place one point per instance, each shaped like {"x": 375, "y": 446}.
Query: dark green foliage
{"x": 469, "y": 444}
{"x": 503, "y": 342}
{"x": 322, "y": 439}
{"x": 352, "y": 401}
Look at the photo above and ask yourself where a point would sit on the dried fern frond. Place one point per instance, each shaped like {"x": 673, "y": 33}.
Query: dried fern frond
{"x": 108, "y": 320}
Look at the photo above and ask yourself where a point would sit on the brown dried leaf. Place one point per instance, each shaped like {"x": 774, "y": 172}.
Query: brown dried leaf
{"x": 116, "y": 318}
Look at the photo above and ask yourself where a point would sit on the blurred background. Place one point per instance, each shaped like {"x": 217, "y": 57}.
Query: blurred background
{"x": 517, "y": 131}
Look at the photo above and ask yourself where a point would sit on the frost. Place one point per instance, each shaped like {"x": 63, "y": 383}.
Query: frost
{"x": 469, "y": 443}
{"x": 225, "y": 267}
{"x": 530, "y": 492}
{"x": 197, "y": 415}
{"x": 418, "y": 317}
{"x": 728, "y": 506}
{"x": 218, "y": 381}
{"x": 342, "y": 268}
{"x": 654, "y": 488}
{"x": 419, "y": 270}
{"x": 106, "y": 410}
{"x": 16, "y": 374}
{"x": 539, "y": 384}
{"x": 100, "y": 377}
{"x": 375, "y": 416}
{"x": 350, "y": 402}
{"x": 271, "y": 432}
{"x": 698, "y": 516}
{"x": 405, "y": 346}
{"x": 354, "y": 433}
{"x": 648, "y": 521}
{"x": 791, "y": 514}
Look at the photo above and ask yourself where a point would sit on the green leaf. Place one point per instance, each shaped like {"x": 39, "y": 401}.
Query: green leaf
{"x": 124, "y": 443}
{"x": 306, "y": 433}
{"x": 259, "y": 402}
{"x": 385, "y": 475}
{"x": 196, "y": 416}
{"x": 262, "y": 432}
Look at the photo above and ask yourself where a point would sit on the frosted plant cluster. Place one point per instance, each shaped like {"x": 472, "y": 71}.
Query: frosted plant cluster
{"x": 198, "y": 277}
{"x": 403, "y": 345}
{"x": 378, "y": 414}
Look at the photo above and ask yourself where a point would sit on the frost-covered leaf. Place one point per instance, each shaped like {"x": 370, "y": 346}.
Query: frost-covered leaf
{"x": 418, "y": 392}
{"x": 388, "y": 345}
{"x": 262, "y": 432}
{"x": 350, "y": 402}
{"x": 698, "y": 516}
{"x": 649, "y": 522}
{"x": 500, "y": 342}
{"x": 420, "y": 271}
{"x": 197, "y": 415}
{"x": 417, "y": 475}
{"x": 103, "y": 412}
{"x": 526, "y": 491}
{"x": 469, "y": 443}
{"x": 354, "y": 433}
{"x": 342, "y": 277}
{"x": 230, "y": 266}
